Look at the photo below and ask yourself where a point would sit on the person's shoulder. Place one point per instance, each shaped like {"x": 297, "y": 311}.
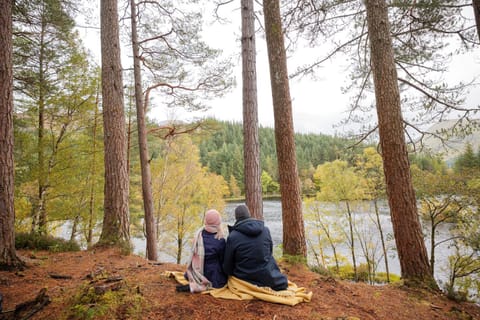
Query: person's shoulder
{"x": 232, "y": 234}
{"x": 205, "y": 233}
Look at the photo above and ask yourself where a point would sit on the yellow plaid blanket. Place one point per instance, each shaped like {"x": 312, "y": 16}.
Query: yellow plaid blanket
{"x": 237, "y": 289}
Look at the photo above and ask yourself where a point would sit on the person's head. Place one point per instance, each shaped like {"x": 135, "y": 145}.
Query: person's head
{"x": 242, "y": 213}
{"x": 213, "y": 222}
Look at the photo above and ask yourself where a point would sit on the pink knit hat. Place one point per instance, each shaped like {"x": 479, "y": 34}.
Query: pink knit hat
{"x": 213, "y": 222}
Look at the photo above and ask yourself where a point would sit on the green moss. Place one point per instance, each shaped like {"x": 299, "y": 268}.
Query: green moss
{"x": 322, "y": 271}
{"x": 294, "y": 259}
{"x": 125, "y": 303}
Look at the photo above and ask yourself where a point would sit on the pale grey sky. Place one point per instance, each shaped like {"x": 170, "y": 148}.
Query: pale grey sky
{"x": 318, "y": 105}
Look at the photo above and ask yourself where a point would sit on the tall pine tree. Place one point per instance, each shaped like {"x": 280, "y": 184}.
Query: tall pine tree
{"x": 294, "y": 242}
{"x": 116, "y": 220}
{"x": 411, "y": 249}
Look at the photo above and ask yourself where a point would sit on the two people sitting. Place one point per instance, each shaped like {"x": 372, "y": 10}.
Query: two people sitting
{"x": 246, "y": 254}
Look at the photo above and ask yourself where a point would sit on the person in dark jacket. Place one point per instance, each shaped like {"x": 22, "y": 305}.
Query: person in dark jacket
{"x": 204, "y": 270}
{"x": 248, "y": 253}
{"x": 214, "y": 247}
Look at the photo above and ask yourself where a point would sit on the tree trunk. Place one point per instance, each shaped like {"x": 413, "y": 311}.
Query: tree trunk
{"x": 293, "y": 227}
{"x": 115, "y": 229}
{"x": 74, "y": 227}
{"x": 40, "y": 214}
{"x": 332, "y": 245}
{"x": 129, "y": 135}
{"x": 142, "y": 143}
{"x": 251, "y": 144}
{"x": 93, "y": 173}
{"x": 180, "y": 233}
{"x": 432, "y": 246}
{"x": 382, "y": 239}
{"x": 352, "y": 241}
{"x": 8, "y": 257}
{"x": 401, "y": 195}
{"x": 476, "y": 12}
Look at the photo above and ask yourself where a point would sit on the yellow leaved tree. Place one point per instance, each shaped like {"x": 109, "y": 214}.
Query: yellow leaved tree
{"x": 183, "y": 191}
{"x": 340, "y": 184}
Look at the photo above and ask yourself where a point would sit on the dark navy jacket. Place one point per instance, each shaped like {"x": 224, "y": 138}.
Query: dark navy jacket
{"x": 212, "y": 266}
{"x": 248, "y": 255}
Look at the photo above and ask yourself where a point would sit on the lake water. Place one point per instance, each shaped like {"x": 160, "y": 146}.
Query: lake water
{"x": 273, "y": 220}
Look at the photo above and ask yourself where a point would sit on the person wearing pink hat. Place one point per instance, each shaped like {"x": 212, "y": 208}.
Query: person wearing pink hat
{"x": 204, "y": 269}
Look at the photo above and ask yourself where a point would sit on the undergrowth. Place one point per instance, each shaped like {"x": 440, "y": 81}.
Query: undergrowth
{"x": 346, "y": 272}
{"x": 125, "y": 303}
{"x": 36, "y": 241}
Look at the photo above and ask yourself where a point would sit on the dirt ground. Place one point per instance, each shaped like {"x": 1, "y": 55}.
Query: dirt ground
{"x": 64, "y": 274}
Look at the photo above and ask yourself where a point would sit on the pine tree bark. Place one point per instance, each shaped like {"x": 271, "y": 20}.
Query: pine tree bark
{"x": 476, "y": 12}
{"x": 411, "y": 248}
{"x": 115, "y": 229}
{"x": 251, "y": 143}
{"x": 293, "y": 228}
{"x": 8, "y": 257}
{"x": 150, "y": 226}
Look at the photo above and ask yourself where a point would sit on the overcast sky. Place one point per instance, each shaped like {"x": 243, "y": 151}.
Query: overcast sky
{"x": 318, "y": 105}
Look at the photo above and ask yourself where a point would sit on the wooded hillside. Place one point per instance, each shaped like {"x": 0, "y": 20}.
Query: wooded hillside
{"x": 222, "y": 152}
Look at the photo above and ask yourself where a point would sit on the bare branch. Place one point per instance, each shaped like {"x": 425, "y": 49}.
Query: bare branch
{"x": 173, "y": 130}
{"x": 330, "y": 55}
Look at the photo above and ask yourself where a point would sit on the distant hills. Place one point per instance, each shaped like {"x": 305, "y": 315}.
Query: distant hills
{"x": 455, "y": 140}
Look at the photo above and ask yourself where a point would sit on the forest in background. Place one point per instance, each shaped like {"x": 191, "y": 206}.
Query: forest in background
{"x": 222, "y": 153}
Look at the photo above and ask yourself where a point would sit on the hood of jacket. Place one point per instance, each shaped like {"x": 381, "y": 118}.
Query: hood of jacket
{"x": 249, "y": 227}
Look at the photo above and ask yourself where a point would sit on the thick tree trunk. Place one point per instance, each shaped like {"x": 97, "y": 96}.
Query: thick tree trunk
{"x": 142, "y": 143}
{"x": 293, "y": 227}
{"x": 476, "y": 12}
{"x": 8, "y": 257}
{"x": 115, "y": 229}
{"x": 401, "y": 195}
{"x": 251, "y": 143}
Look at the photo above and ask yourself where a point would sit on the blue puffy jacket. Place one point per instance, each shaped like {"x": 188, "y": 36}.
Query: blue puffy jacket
{"x": 248, "y": 255}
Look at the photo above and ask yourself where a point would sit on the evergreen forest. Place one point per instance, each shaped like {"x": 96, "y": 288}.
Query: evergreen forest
{"x": 222, "y": 153}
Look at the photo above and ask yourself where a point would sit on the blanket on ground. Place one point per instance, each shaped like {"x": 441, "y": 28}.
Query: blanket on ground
{"x": 237, "y": 289}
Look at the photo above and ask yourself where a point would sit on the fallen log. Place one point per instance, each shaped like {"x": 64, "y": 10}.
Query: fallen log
{"x": 59, "y": 276}
{"x": 114, "y": 279}
{"x": 111, "y": 286}
{"x": 27, "y": 309}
